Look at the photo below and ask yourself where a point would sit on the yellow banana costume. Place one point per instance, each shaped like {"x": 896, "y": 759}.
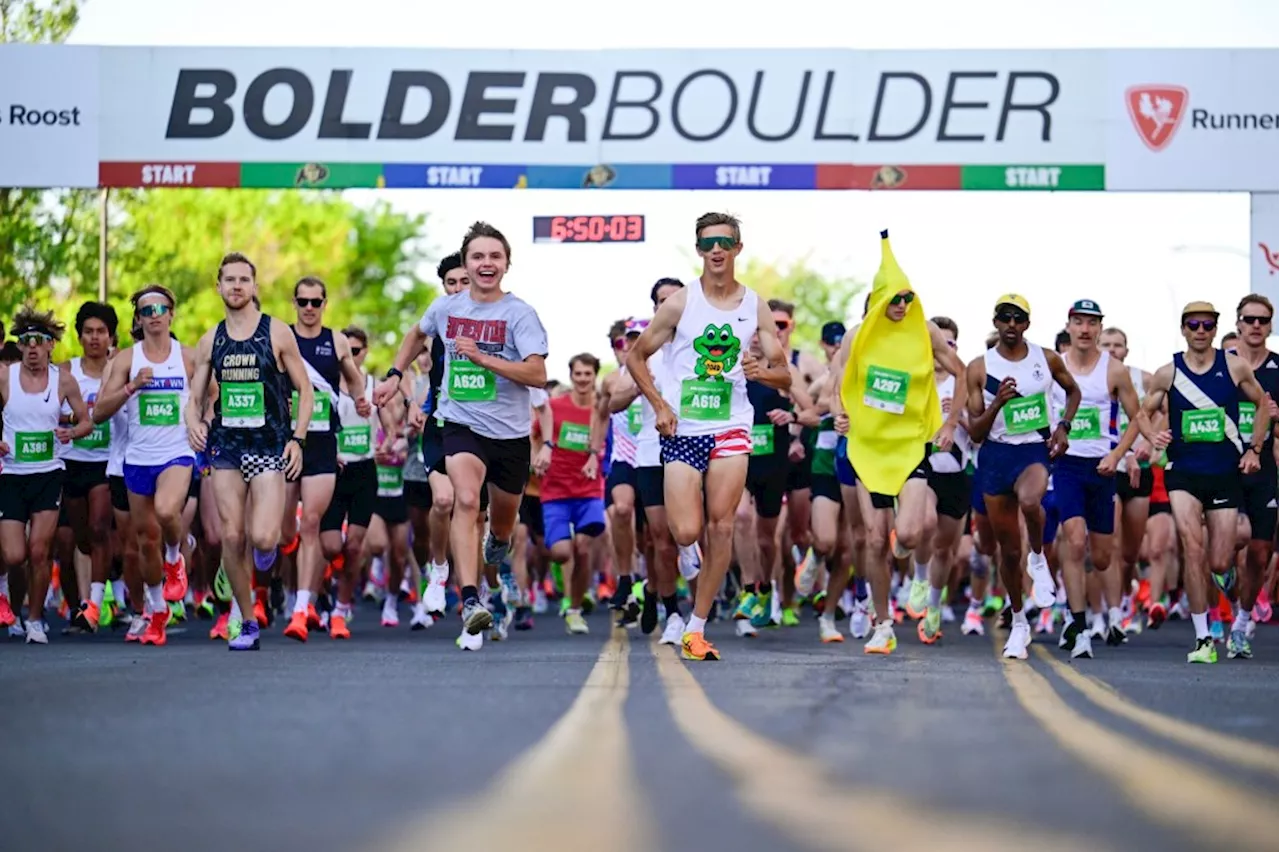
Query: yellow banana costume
{"x": 887, "y": 388}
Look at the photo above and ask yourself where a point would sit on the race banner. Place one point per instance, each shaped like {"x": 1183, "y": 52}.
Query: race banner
{"x": 49, "y": 116}
{"x": 1264, "y": 244}
{"x": 1193, "y": 120}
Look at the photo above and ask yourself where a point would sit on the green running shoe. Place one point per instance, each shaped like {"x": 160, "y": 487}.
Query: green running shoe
{"x": 992, "y": 605}
{"x": 1238, "y": 646}
{"x": 789, "y": 617}
{"x": 1205, "y": 652}
{"x": 762, "y": 612}
{"x": 929, "y": 628}
{"x": 746, "y": 605}
{"x": 222, "y": 586}
{"x": 233, "y": 629}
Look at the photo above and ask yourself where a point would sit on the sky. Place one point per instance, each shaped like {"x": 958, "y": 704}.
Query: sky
{"x": 1141, "y": 256}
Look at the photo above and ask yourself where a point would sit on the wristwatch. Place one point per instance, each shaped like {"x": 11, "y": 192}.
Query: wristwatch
{"x": 1065, "y": 424}
{"x": 301, "y": 442}
{"x": 551, "y": 444}
{"x": 394, "y": 372}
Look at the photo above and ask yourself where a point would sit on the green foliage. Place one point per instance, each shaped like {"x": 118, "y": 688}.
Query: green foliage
{"x": 818, "y": 299}
{"x": 45, "y": 21}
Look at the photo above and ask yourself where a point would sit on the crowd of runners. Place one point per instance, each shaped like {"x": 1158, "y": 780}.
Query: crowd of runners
{"x": 262, "y": 476}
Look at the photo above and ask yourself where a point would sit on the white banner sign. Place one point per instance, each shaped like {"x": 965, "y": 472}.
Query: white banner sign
{"x": 1264, "y": 244}
{"x": 48, "y": 116}
{"x": 1193, "y": 120}
{"x": 561, "y": 107}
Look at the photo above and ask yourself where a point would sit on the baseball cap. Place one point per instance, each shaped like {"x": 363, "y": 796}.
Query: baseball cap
{"x": 1085, "y": 307}
{"x": 1199, "y": 308}
{"x": 833, "y": 333}
{"x": 1019, "y": 302}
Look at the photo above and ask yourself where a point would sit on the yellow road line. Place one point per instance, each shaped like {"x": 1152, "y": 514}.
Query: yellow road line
{"x": 578, "y": 779}
{"x": 800, "y": 797}
{"x": 1235, "y": 750}
{"x": 1175, "y": 792}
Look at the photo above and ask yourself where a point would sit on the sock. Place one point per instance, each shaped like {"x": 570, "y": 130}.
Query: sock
{"x": 935, "y": 597}
{"x": 1117, "y": 616}
{"x": 264, "y": 559}
{"x": 1078, "y": 622}
{"x": 155, "y": 598}
{"x": 172, "y": 553}
{"x": 4, "y": 585}
{"x": 302, "y": 601}
{"x": 441, "y": 568}
{"x": 117, "y": 591}
{"x": 1201, "y": 622}
{"x": 342, "y": 610}
{"x": 470, "y": 594}
{"x": 975, "y": 605}
{"x": 1242, "y": 621}
{"x": 1020, "y": 615}
{"x": 695, "y": 625}
{"x": 672, "y": 604}
{"x": 922, "y": 572}
{"x": 97, "y": 591}
{"x": 573, "y": 611}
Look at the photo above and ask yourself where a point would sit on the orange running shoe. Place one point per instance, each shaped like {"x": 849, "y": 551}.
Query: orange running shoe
{"x": 313, "y": 617}
{"x": 219, "y": 630}
{"x": 297, "y": 628}
{"x": 694, "y": 646}
{"x": 1143, "y": 597}
{"x": 260, "y": 612}
{"x": 88, "y": 616}
{"x": 175, "y": 580}
{"x": 154, "y": 634}
{"x": 6, "y": 612}
{"x": 338, "y": 627}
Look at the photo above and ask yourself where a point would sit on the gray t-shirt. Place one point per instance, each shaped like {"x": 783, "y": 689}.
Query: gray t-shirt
{"x": 482, "y": 401}
{"x": 414, "y": 470}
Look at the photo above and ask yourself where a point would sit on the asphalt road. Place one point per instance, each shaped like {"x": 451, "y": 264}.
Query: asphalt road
{"x": 399, "y": 741}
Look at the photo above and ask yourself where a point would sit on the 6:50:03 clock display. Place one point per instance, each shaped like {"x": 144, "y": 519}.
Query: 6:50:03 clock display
{"x": 588, "y": 229}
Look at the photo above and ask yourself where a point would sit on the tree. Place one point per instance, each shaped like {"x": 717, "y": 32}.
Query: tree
{"x": 818, "y": 298}
{"x": 46, "y": 236}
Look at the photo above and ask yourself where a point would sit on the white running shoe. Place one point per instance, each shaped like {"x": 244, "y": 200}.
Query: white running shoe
{"x": 972, "y": 625}
{"x": 690, "y": 561}
{"x": 828, "y": 632}
{"x": 1043, "y": 590}
{"x": 390, "y": 617}
{"x": 744, "y": 628}
{"x": 883, "y": 640}
{"x": 36, "y": 634}
{"x": 434, "y": 597}
{"x": 1098, "y": 627}
{"x": 540, "y": 601}
{"x": 470, "y": 641}
{"x": 674, "y": 630}
{"x": 421, "y": 618}
{"x": 808, "y": 574}
{"x": 948, "y": 614}
{"x": 1083, "y": 647}
{"x": 859, "y": 621}
{"x": 1019, "y": 638}
{"x": 17, "y": 631}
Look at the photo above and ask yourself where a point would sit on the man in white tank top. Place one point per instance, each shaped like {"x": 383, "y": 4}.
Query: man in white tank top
{"x": 158, "y": 461}
{"x": 702, "y": 412}
{"x": 620, "y": 487}
{"x": 1084, "y": 482}
{"x": 31, "y": 471}
{"x": 1009, "y": 413}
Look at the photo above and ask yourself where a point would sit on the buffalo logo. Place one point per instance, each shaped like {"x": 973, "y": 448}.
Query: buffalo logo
{"x": 599, "y": 177}
{"x": 312, "y": 174}
{"x": 1156, "y": 112}
{"x": 1272, "y": 258}
{"x": 888, "y": 177}
{"x": 523, "y": 182}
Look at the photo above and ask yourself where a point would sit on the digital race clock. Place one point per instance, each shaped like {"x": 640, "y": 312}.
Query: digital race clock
{"x": 588, "y": 229}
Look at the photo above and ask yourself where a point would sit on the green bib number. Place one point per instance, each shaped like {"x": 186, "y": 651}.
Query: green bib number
{"x": 1247, "y": 410}
{"x": 471, "y": 383}
{"x": 1204, "y": 426}
{"x": 354, "y": 440}
{"x": 1087, "y": 423}
{"x": 635, "y": 418}
{"x": 33, "y": 446}
{"x": 707, "y": 401}
{"x": 1026, "y": 414}
{"x": 243, "y": 405}
{"x": 390, "y": 481}
{"x": 98, "y": 439}
{"x": 762, "y": 439}
{"x": 159, "y": 409}
{"x": 574, "y": 436}
{"x": 886, "y": 389}
{"x": 319, "y": 412}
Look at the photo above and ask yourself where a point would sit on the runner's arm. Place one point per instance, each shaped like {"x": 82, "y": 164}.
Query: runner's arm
{"x": 69, "y": 390}
{"x": 531, "y": 372}
{"x": 414, "y": 344}
{"x": 1161, "y": 381}
{"x": 981, "y": 416}
{"x": 623, "y": 393}
{"x": 1122, "y": 386}
{"x": 1066, "y": 381}
{"x": 778, "y": 374}
{"x": 661, "y": 330}
{"x": 286, "y": 346}
{"x": 806, "y": 408}
{"x": 838, "y": 366}
{"x": 950, "y": 361}
{"x": 1245, "y": 380}
{"x": 347, "y": 363}
{"x": 201, "y": 374}
{"x": 116, "y": 388}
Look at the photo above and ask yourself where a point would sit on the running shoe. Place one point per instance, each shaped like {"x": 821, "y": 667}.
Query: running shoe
{"x": 1216, "y": 631}
{"x": 827, "y": 631}
{"x": 1262, "y": 611}
{"x": 475, "y": 618}
{"x": 204, "y": 607}
{"x": 495, "y": 551}
{"x": 859, "y": 621}
{"x": 917, "y": 599}
{"x": 1238, "y": 646}
{"x": 1068, "y": 638}
{"x": 1082, "y": 648}
{"x": 36, "y": 634}
{"x": 177, "y": 612}
{"x": 297, "y": 628}
{"x": 175, "y": 580}
{"x": 470, "y": 641}
{"x": 745, "y": 629}
{"x": 948, "y": 614}
{"x": 1204, "y": 652}
{"x": 338, "y": 627}
{"x": 972, "y": 624}
{"x": 1156, "y": 615}
{"x": 690, "y": 561}
{"x": 882, "y": 641}
{"x": 929, "y": 628}
{"x": 649, "y": 613}
{"x": 762, "y": 612}
{"x": 154, "y": 634}
{"x": 991, "y": 605}
{"x": 1015, "y": 648}
{"x": 421, "y": 619}
{"x": 1225, "y": 582}
{"x": 87, "y": 617}
{"x": 789, "y": 617}
{"x": 1116, "y": 636}
{"x": 247, "y": 640}
{"x": 433, "y": 596}
{"x": 540, "y": 604}
{"x": 629, "y": 612}
{"x": 673, "y": 633}
{"x": 390, "y": 612}
{"x": 1043, "y": 589}
{"x": 1045, "y": 623}
{"x": 137, "y": 626}
{"x": 7, "y": 618}
{"x": 313, "y": 617}
{"x": 808, "y": 572}
{"x": 746, "y": 605}
{"x": 694, "y": 646}
{"x": 219, "y": 630}
{"x": 575, "y": 624}
{"x": 524, "y": 618}
{"x": 260, "y": 612}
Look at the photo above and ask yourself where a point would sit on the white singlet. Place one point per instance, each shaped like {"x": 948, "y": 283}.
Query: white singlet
{"x": 947, "y": 462}
{"x": 355, "y": 441}
{"x": 96, "y": 446}
{"x": 648, "y": 447}
{"x": 157, "y": 431}
{"x": 707, "y": 389}
{"x": 1023, "y": 416}
{"x": 29, "y": 421}
{"x": 1091, "y": 435}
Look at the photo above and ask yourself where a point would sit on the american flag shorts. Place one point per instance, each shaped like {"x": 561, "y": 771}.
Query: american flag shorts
{"x": 697, "y": 451}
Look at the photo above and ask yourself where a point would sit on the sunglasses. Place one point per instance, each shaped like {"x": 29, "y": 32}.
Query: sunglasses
{"x": 903, "y": 299}
{"x": 706, "y": 244}
{"x": 1255, "y": 320}
{"x": 1197, "y": 325}
{"x": 782, "y": 325}
{"x": 356, "y": 350}
{"x": 1012, "y": 316}
{"x": 157, "y": 310}
{"x": 619, "y": 342}
{"x": 309, "y": 303}
{"x": 33, "y": 338}
{"x": 951, "y": 343}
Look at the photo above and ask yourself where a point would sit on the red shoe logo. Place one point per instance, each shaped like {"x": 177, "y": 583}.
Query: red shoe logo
{"x": 1156, "y": 112}
{"x": 1272, "y": 257}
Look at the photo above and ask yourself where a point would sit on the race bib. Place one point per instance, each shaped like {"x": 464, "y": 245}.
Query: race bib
{"x": 1026, "y": 414}
{"x": 1087, "y": 423}
{"x": 33, "y": 446}
{"x": 158, "y": 408}
{"x": 762, "y": 439}
{"x": 1204, "y": 425}
{"x": 354, "y": 440}
{"x": 471, "y": 383}
{"x": 98, "y": 439}
{"x": 243, "y": 405}
{"x": 574, "y": 436}
{"x": 635, "y": 418}
{"x": 390, "y": 481}
{"x": 319, "y": 412}
{"x": 1247, "y": 410}
{"x": 886, "y": 389}
{"x": 701, "y": 400}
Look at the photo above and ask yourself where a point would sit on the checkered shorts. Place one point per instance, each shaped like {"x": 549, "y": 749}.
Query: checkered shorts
{"x": 252, "y": 465}
{"x": 697, "y": 451}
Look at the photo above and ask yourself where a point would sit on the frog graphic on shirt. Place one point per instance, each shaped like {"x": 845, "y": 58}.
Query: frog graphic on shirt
{"x": 718, "y": 349}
